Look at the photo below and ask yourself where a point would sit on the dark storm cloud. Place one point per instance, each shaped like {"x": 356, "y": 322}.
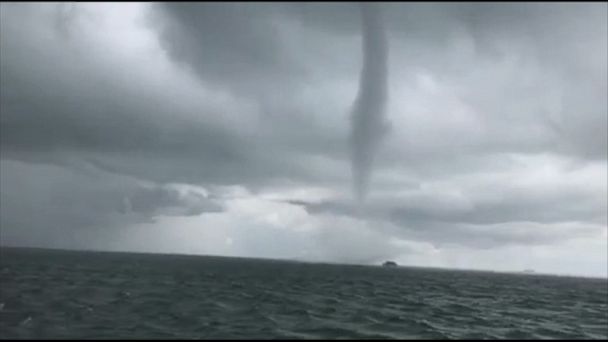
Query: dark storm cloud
{"x": 544, "y": 38}
{"x": 53, "y": 101}
{"x": 231, "y": 44}
{"x": 54, "y": 104}
{"x": 136, "y": 128}
{"x": 562, "y": 45}
{"x": 471, "y": 83}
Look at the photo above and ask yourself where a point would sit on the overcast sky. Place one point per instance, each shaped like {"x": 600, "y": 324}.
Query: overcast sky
{"x": 225, "y": 129}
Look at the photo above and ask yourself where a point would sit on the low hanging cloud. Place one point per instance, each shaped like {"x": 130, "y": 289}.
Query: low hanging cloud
{"x": 117, "y": 118}
{"x": 532, "y": 207}
{"x": 169, "y": 200}
{"x": 45, "y": 202}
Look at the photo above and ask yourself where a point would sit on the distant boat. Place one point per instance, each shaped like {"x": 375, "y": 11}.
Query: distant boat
{"x": 389, "y": 264}
{"x": 528, "y": 271}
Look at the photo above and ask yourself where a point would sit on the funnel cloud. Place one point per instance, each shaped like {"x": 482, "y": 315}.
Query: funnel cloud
{"x": 370, "y": 105}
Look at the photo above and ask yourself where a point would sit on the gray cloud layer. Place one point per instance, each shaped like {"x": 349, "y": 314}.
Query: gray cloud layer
{"x": 498, "y": 116}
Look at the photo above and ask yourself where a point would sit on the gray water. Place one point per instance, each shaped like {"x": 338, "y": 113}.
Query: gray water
{"x": 61, "y": 294}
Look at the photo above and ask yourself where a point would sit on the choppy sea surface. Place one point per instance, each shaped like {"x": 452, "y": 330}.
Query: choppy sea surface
{"x": 67, "y": 294}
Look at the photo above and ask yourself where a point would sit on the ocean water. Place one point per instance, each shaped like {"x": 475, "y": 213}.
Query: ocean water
{"x": 61, "y": 294}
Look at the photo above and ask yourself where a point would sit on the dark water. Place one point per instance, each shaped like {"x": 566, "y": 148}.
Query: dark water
{"x": 58, "y": 294}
